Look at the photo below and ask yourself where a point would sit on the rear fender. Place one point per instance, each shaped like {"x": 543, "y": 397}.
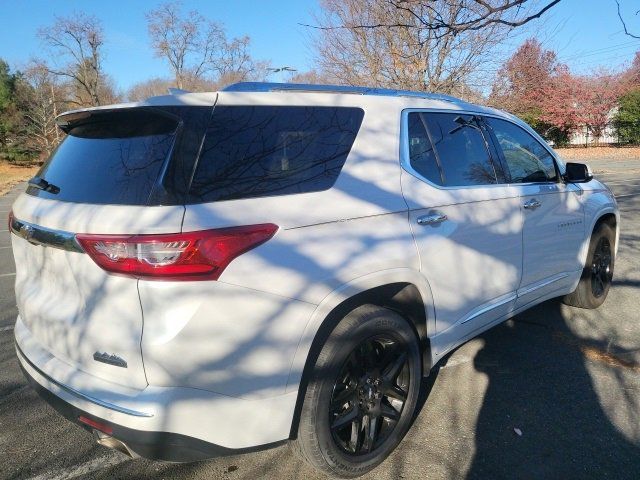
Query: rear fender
{"x": 349, "y": 290}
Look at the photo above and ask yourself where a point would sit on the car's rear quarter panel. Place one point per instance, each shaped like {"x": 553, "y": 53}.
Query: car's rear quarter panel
{"x": 244, "y": 330}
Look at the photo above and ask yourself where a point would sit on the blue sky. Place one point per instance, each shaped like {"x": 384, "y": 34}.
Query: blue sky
{"x": 585, "y": 33}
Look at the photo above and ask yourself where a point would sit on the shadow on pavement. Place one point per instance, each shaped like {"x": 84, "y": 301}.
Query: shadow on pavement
{"x": 538, "y": 383}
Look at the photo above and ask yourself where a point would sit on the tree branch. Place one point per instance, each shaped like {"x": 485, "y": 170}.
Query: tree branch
{"x": 624, "y": 25}
{"x": 491, "y": 16}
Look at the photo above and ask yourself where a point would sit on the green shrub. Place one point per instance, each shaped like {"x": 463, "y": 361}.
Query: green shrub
{"x": 627, "y": 120}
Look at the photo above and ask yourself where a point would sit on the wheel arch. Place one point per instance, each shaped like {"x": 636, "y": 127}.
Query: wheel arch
{"x": 609, "y": 215}
{"x": 608, "y": 218}
{"x": 402, "y": 290}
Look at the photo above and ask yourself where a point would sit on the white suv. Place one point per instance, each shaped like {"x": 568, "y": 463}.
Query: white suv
{"x": 205, "y": 274}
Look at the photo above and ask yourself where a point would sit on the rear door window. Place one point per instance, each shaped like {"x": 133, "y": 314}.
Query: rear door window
{"x": 258, "y": 151}
{"x": 109, "y": 157}
{"x": 461, "y": 149}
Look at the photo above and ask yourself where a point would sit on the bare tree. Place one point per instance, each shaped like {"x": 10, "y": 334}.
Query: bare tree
{"x": 405, "y": 44}
{"x": 235, "y": 63}
{"x": 197, "y": 48}
{"x": 148, "y": 88}
{"x": 472, "y": 15}
{"x": 160, "y": 86}
{"x": 310, "y": 77}
{"x": 76, "y": 43}
{"x": 40, "y": 96}
{"x": 181, "y": 39}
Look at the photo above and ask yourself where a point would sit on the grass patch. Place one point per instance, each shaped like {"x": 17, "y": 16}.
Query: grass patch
{"x": 11, "y": 175}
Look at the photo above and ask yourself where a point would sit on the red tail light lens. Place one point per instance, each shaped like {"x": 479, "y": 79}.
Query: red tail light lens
{"x": 201, "y": 255}
{"x": 103, "y": 427}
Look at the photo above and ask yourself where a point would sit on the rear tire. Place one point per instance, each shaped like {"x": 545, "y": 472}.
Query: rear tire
{"x": 595, "y": 281}
{"x": 362, "y": 393}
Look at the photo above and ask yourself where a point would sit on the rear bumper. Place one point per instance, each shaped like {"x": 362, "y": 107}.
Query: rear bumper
{"x": 166, "y": 423}
{"x": 167, "y": 446}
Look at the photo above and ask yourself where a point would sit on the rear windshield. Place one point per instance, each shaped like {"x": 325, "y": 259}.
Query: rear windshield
{"x": 258, "y": 151}
{"x": 109, "y": 157}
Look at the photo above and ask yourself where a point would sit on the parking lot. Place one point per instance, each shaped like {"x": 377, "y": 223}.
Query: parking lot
{"x": 567, "y": 379}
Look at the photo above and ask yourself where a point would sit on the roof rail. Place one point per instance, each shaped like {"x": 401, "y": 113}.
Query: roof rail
{"x": 304, "y": 87}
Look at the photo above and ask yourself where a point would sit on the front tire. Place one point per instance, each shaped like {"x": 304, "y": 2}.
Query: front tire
{"x": 593, "y": 288}
{"x": 362, "y": 393}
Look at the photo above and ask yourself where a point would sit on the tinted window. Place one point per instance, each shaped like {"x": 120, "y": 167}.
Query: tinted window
{"x": 421, "y": 154}
{"x": 109, "y": 157}
{"x": 256, "y": 151}
{"x": 526, "y": 158}
{"x": 461, "y": 149}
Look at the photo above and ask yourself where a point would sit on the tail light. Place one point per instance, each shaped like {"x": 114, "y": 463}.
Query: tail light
{"x": 201, "y": 255}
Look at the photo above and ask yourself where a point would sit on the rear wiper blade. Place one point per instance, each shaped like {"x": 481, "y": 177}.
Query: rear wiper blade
{"x": 42, "y": 184}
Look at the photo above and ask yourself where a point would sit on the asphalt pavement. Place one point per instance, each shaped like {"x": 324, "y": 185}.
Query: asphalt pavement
{"x": 552, "y": 393}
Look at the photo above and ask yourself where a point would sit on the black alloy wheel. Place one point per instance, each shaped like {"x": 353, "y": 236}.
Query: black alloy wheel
{"x": 369, "y": 395}
{"x": 601, "y": 267}
{"x": 362, "y": 393}
{"x": 597, "y": 274}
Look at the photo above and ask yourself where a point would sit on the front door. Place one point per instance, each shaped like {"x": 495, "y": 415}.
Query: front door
{"x": 553, "y": 215}
{"x": 467, "y": 226}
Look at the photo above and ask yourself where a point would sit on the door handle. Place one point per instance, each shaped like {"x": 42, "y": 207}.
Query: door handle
{"x": 532, "y": 204}
{"x": 432, "y": 219}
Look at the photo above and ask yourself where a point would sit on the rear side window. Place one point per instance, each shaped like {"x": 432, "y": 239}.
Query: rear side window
{"x": 526, "y": 158}
{"x": 109, "y": 157}
{"x": 460, "y": 149}
{"x": 258, "y": 151}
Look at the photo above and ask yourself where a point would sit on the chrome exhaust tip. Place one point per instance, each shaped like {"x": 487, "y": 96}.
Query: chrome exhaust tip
{"x": 113, "y": 443}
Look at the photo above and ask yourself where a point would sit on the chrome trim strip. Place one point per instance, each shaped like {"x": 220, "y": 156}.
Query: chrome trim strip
{"x": 81, "y": 395}
{"x": 488, "y": 308}
{"x": 528, "y": 290}
{"x": 47, "y": 237}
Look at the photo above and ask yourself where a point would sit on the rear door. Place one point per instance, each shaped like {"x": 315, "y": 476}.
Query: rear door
{"x": 98, "y": 181}
{"x": 553, "y": 215}
{"x": 467, "y": 223}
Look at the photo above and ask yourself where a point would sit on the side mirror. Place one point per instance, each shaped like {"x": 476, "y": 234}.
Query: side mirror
{"x": 577, "y": 173}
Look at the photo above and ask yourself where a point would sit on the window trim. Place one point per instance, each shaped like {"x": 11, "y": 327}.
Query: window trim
{"x": 405, "y": 159}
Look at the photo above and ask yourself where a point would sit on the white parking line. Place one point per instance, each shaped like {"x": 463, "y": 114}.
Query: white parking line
{"x": 6, "y": 329}
{"x": 5, "y": 247}
{"x": 7, "y": 274}
{"x": 84, "y": 468}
